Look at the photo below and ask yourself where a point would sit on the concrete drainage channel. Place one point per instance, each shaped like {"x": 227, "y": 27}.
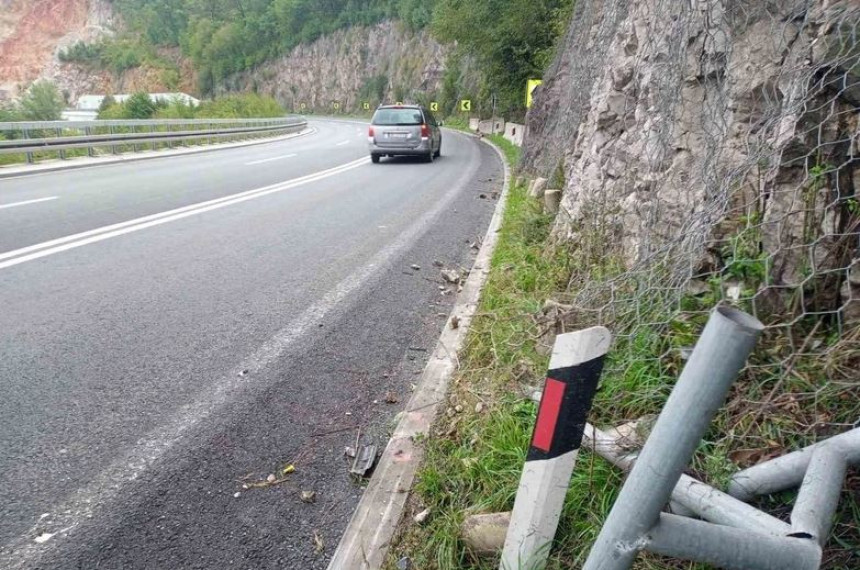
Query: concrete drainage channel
{"x": 364, "y": 545}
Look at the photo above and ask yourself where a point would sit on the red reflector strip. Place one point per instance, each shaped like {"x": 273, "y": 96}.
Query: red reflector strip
{"x": 550, "y": 406}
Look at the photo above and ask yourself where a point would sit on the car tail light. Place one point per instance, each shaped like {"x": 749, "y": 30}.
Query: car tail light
{"x": 425, "y": 131}
{"x": 370, "y": 132}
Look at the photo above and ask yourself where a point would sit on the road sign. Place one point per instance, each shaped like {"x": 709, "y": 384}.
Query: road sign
{"x": 336, "y": 106}
{"x": 530, "y": 89}
{"x": 366, "y": 106}
{"x": 399, "y": 103}
{"x": 466, "y": 105}
{"x": 434, "y": 106}
{"x": 303, "y": 106}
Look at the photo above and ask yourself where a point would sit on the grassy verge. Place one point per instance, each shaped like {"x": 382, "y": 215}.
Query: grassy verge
{"x": 476, "y": 450}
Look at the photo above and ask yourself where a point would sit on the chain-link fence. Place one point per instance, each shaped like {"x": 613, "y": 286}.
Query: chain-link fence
{"x": 712, "y": 155}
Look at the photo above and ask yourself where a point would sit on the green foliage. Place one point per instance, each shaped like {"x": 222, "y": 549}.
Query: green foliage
{"x": 513, "y": 39}
{"x": 244, "y": 106}
{"x": 42, "y": 102}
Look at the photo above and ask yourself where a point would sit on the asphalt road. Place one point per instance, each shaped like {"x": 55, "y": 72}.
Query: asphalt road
{"x": 174, "y": 330}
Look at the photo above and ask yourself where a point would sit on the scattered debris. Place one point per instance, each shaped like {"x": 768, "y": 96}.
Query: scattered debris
{"x": 479, "y": 407}
{"x": 455, "y": 322}
{"x": 349, "y": 451}
{"x": 237, "y": 495}
{"x": 309, "y": 497}
{"x": 364, "y": 460}
{"x": 482, "y": 196}
{"x": 422, "y": 516}
{"x": 458, "y": 408}
{"x": 404, "y": 563}
{"x": 319, "y": 545}
{"x": 415, "y": 267}
{"x": 439, "y": 264}
{"x": 271, "y": 479}
{"x": 451, "y": 275}
{"x": 391, "y": 398}
{"x": 288, "y": 470}
{"x": 417, "y": 349}
{"x": 243, "y": 373}
{"x": 44, "y": 537}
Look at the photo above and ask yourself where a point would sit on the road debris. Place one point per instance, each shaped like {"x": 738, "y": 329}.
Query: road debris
{"x": 288, "y": 470}
{"x": 415, "y": 267}
{"x": 271, "y": 478}
{"x": 455, "y": 322}
{"x": 437, "y": 263}
{"x": 391, "y": 398}
{"x": 404, "y": 563}
{"x": 309, "y": 497}
{"x": 349, "y": 452}
{"x": 451, "y": 275}
{"x": 319, "y": 545}
{"x": 43, "y": 538}
{"x": 422, "y": 516}
{"x": 364, "y": 461}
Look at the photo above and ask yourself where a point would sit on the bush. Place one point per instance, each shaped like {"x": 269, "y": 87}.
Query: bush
{"x": 42, "y": 102}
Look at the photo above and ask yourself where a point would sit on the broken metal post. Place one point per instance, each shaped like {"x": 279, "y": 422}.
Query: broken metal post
{"x": 720, "y": 354}
{"x": 787, "y": 472}
{"x": 727, "y": 547}
{"x": 574, "y": 371}
{"x": 819, "y": 495}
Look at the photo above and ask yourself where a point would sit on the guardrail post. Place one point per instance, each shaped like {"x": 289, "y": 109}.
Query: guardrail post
{"x": 153, "y": 144}
{"x": 574, "y": 371}
{"x": 90, "y": 150}
{"x": 62, "y": 152}
{"x": 111, "y": 132}
{"x": 720, "y": 354}
{"x": 29, "y": 155}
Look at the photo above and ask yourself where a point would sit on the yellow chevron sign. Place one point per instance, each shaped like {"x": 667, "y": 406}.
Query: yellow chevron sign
{"x": 466, "y": 105}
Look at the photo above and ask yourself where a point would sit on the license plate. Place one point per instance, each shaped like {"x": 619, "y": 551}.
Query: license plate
{"x": 398, "y": 135}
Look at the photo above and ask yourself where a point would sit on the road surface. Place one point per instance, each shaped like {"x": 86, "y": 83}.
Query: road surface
{"x": 175, "y": 330}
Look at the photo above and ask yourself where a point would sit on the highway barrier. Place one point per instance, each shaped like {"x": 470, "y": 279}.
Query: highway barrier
{"x": 29, "y": 138}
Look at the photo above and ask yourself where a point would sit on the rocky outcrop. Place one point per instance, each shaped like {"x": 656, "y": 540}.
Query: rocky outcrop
{"x": 33, "y": 32}
{"x": 710, "y": 138}
{"x": 381, "y": 62}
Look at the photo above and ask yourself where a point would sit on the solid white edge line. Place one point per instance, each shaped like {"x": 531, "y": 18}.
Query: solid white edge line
{"x": 28, "y": 202}
{"x": 342, "y": 143}
{"x": 367, "y": 538}
{"x": 265, "y": 160}
{"x": 37, "y": 251}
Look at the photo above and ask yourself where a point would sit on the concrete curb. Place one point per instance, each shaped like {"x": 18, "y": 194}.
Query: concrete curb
{"x": 367, "y": 538}
{"x": 87, "y": 162}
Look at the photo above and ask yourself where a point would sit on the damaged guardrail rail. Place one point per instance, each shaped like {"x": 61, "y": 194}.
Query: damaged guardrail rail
{"x": 29, "y": 138}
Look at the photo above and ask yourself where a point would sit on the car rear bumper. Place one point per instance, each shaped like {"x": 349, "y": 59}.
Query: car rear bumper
{"x": 406, "y": 150}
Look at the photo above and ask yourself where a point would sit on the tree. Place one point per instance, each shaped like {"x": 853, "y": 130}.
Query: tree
{"x": 140, "y": 106}
{"x": 42, "y": 102}
{"x": 107, "y": 103}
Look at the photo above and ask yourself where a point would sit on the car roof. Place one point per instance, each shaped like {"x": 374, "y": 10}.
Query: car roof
{"x": 400, "y": 107}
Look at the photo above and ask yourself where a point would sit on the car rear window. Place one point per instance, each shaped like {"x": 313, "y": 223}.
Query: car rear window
{"x": 398, "y": 117}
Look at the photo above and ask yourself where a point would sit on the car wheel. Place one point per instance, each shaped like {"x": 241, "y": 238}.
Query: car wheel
{"x": 439, "y": 151}
{"x": 430, "y": 156}
{"x": 375, "y": 158}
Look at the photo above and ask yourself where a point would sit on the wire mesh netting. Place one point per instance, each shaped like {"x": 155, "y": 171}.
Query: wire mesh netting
{"x": 712, "y": 157}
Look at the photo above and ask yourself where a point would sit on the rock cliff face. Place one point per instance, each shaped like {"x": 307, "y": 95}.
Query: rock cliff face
{"x": 381, "y": 62}
{"x": 697, "y": 135}
{"x": 32, "y": 33}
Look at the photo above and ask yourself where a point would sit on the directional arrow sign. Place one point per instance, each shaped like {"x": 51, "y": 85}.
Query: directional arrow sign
{"x": 434, "y": 106}
{"x": 366, "y": 106}
{"x": 466, "y": 105}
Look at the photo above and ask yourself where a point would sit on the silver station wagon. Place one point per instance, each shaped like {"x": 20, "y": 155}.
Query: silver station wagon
{"x": 404, "y": 130}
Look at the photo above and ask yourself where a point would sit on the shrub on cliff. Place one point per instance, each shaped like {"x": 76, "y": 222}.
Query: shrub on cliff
{"x": 42, "y": 102}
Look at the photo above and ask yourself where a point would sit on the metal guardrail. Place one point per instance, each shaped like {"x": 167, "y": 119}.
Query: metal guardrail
{"x": 28, "y": 138}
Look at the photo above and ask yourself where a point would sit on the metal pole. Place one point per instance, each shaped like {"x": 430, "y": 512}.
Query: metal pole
{"x": 694, "y": 497}
{"x": 720, "y": 354}
{"x": 731, "y": 548}
{"x": 787, "y": 472}
{"x": 62, "y": 152}
{"x": 574, "y": 371}
{"x": 819, "y": 495}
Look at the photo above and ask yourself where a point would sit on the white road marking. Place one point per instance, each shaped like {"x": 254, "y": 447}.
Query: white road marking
{"x": 59, "y": 245}
{"x": 342, "y": 143}
{"x": 265, "y": 160}
{"x": 28, "y": 202}
{"x": 108, "y": 486}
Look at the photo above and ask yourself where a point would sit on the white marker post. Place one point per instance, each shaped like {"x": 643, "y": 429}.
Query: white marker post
{"x": 574, "y": 371}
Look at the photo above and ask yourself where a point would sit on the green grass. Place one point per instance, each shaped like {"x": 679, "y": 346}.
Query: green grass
{"x": 474, "y": 458}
